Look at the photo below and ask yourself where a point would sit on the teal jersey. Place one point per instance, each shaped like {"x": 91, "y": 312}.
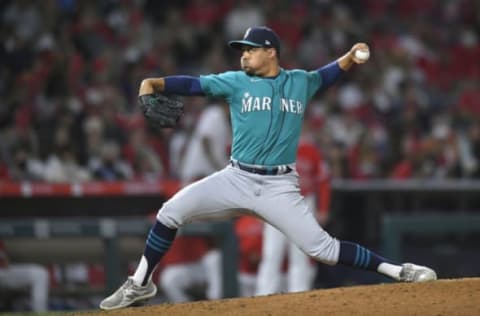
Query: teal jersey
{"x": 266, "y": 113}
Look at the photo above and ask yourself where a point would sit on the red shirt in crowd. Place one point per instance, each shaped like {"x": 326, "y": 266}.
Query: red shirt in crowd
{"x": 313, "y": 173}
{"x": 186, "y": 249}
{"x": 249, "y": 231}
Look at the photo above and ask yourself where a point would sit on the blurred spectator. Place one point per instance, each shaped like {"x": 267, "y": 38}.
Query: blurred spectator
{"x": 363, "y": 160}
{"x": 142, "y": 157}
{"x": 469, "y": 100}
{"x": 249, "y": 232}
{"x": 61, "y": 165}
{"x": 244, "y": 14}
{"x": 76, "y": 65}
{"x": 191, "y": 270}
{"x": 445, "y": 147}
{"x": 25, "y": 276}
{"x": 207, "y": 149}
{"x": 473, "y": 168}
{"x": 178, "y": 143}
{"x": 24, "y": 167}
{"x": 470, "y": 151}
{"x": 109, "y": 166}
{"x": 410, "y": 159}
{"x": 93, "y": 136}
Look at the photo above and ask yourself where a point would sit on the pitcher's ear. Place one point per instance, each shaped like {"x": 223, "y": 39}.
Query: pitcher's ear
{"x": 272, "y": 51}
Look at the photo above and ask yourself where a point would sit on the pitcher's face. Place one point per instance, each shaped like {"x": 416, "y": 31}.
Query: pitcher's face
{"x": 255, "y": 59}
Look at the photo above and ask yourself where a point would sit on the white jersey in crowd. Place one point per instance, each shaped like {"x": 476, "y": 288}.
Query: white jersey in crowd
{"x": 213, "y": 124}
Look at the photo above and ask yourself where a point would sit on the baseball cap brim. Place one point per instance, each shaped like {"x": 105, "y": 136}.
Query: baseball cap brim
{"x": 239, "y": 44}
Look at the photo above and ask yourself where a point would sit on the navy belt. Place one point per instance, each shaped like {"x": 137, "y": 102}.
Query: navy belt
{"x": 264, "y": 171}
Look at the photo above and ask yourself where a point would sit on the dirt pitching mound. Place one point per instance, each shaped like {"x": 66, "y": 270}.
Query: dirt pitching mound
{"x": 442, "y": 297}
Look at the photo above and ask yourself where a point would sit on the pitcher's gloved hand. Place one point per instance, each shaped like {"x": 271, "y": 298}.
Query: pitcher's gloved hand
{"x": 161, "y": 111}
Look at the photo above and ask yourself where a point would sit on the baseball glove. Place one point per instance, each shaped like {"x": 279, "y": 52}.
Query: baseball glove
{"x": 161, "y": 111}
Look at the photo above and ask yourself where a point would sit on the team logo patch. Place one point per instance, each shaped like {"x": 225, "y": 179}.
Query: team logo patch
{"x": 246, "y": 33}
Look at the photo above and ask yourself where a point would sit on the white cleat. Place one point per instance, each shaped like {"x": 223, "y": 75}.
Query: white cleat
{"x": 128, "y": 294}
{"x": 413, "y": 273}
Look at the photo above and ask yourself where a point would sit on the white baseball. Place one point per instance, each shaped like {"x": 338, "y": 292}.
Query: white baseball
{"x": 362, "y": 54}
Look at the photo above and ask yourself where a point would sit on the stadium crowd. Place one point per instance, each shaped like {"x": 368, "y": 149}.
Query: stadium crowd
{"x": 70, "y": 72}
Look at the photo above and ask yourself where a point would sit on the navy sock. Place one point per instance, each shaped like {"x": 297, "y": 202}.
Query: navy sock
{"x": 158, "y": 242}
{"x": 354, "y": 255}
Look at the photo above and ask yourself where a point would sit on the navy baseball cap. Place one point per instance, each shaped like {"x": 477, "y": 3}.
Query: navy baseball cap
{"x": 258, "y": 36}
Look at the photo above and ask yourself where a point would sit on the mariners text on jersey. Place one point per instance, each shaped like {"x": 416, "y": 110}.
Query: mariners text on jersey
{"x": 253, "y": 103}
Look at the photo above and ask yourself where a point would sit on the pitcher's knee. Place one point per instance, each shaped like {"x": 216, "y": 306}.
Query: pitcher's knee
{"x": 166, "y": 215}
{"x": 326, "y": 252}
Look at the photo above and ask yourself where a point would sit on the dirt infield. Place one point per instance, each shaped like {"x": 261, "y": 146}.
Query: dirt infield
{"x": 443, "y": 297}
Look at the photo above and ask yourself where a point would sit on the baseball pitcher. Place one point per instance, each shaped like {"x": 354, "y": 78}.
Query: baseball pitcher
{"x": 266, "y": 104}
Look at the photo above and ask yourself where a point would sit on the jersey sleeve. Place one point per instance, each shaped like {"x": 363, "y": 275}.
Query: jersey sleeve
{"x": 218, "y": 85}
{"x": 314, "y": 82}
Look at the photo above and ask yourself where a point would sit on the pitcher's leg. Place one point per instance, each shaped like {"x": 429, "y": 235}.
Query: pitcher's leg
{"x": 301, "y": 271}
{"x": 273, "y": 253}
{"x": 188, "y": 204}
{"x": 213, "y": 197}
{"x": 291, "y": 214}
